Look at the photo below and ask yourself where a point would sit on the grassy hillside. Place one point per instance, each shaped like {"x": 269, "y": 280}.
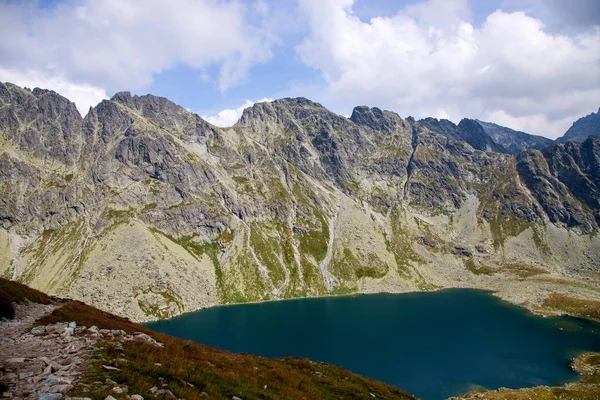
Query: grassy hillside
{"x": 189, "y": 369}
{"x": 13, "y": 292}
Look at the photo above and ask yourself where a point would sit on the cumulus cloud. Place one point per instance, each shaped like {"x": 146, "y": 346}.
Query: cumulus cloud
{"x": 576, "y": 14}
{"x": 118, "y": 44}
{"x": 429, "y": 60}
{"x": 228, "y": 117}
{"x": 83, "y": 95}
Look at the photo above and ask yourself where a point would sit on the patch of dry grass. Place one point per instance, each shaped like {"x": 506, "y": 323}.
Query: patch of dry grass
{"x": 524, "y": 270}
{"x": 13, "y": 292}
{"x": 88, "y": 316}
{"x": 573, "y": 306}
{"x": 187, "y": 368}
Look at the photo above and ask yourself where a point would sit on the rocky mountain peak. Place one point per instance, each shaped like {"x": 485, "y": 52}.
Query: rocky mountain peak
{"x": 269, "y": 110}
{"x": 124, "y": 98}
{"x": 474, "y": 134}
{"x": 41, "y": 123}
{"x": 375, "y": 118}
{"x": 582, "y": 128}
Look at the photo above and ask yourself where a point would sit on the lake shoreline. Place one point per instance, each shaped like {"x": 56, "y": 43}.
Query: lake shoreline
{"x": 513, "y": 297}
{"x": 481, "y": 326}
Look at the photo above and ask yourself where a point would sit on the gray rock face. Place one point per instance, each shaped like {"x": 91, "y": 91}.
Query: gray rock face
{"x": 41, "y": 123}
{"x": 468, "y": 130}
{"x": 147, "y": 210}
{"x": 566, "y": 181}
{"x": 582, "y": 129}
{"x": 488, "y": 137}
{"x": 513, "y": 141}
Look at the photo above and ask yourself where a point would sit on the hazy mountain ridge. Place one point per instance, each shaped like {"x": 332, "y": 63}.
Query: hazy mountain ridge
{"x": 514, "y": 141}
{"x": 582, "y": 128}
{"x": 148, "y": 210}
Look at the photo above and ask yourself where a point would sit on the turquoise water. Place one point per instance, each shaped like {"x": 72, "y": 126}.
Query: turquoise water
{"x": 433, "y": 345}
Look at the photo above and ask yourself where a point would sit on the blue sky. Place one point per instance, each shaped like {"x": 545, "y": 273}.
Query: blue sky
{"x": 532, "y": 65}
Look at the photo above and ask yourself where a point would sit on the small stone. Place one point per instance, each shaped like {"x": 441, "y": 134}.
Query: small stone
{"x": 119, "y": 390}
{"x": 158, "y": 364}
{"x": 51, "y": 380}
{"x": 80, "y": 330}
{"x": 16, "y": 360}
{"x": 73, "y": 324}
{"x": 109, "y": 397}
{"x": 235, "y": 398}
{"x": 265, "y": 387}
{"x": 136, "y": 397}
{"x": 163, "y": 392}
{"x": 60, "y": 388}
{"x": 38, "y": 330}
{"x": 372, "y": 395}
{"x": 51, "y": 396}
{"x": 203, "y": 394}
{"x": 317, "y": 373}
{"x": 105, "y": 332}
{"x": 93, "y": 331}
{"x": 67, "y": 332}
{"x": 109, "y": 381}
{"x": 110, "y": 368}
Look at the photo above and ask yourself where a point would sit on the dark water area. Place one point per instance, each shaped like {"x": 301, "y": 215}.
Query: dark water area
{"x": 433, "y": 345}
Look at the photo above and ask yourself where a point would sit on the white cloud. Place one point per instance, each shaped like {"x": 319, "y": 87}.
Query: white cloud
{"x": 430, "y": 60}
{"x": 123, "y": 44}
{"x": 84, "y": 96}
{"x": 229, "y": 116}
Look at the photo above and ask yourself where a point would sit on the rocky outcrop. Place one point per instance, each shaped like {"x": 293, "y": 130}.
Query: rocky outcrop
{"x": 582, "y": 129}
{"x": 565, "y": 179}
{"x": 147, "y": 210}
{"x": 48, "y": 361}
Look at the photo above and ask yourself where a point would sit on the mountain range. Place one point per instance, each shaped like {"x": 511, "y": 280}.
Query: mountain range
{"x": 145, "y": 209}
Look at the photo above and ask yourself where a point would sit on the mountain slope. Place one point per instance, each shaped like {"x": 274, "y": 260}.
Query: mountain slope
{"x": 145, "y": 209}
{"x": 582, "y": 128}
{"x": 514, "y": 141}
{"x": 468, "y": 130}
{"x": 487, "y": 136}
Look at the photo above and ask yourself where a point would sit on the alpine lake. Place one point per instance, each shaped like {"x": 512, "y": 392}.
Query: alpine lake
{"x": 433, "y": 344}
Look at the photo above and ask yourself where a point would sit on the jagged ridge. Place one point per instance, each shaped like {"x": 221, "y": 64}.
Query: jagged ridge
{"x": 146, "y": 209}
